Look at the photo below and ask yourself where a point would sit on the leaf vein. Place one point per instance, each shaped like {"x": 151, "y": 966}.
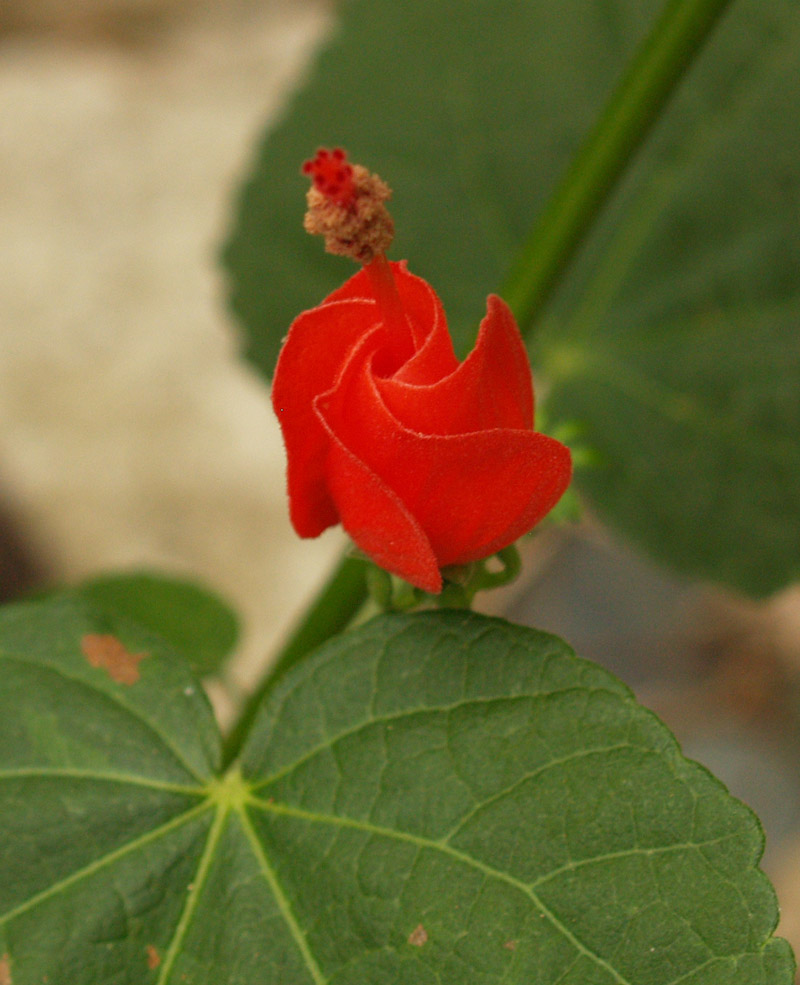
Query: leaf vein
{"x": 98, "y": 864}
{"x": 680, "y": 406}
{"x": 114, "y": 699}
{"x": 487, "y": 870}
{"x": 630, "y": 853}
{"x": 193, "y": 894}
{"x": 280, "y": 898}
{"x": 442, "y": 709}
{"x": 80, "y": 774}
{"x": 531, "y": 774}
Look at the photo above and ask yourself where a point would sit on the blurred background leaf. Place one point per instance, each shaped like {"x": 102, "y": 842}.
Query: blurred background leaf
{"x": 469, "y": 110}
{"x": 672, "y": 341}
{"x": 189, "y": 617}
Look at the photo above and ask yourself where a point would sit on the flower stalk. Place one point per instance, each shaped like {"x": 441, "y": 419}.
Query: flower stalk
{"x": 653, "y": 75}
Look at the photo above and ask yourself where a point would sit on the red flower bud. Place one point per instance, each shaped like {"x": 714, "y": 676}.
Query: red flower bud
{"x": 425, "y": 461}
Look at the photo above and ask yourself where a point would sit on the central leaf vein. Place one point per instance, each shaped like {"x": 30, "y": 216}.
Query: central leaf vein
{"x": 193, "y": 894}
{"x": 280, "y": 898}
{"x": 37, "y": 772}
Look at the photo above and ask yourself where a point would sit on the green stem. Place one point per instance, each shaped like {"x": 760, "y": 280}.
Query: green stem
{"x": 655, "y": 71}
{"x": 512, "y": 566}
{"x": 334, "y": 607}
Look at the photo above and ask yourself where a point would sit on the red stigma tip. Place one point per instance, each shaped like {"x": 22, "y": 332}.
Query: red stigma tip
{"x": 332, "y": 174}
{"x": 346, "y": 205}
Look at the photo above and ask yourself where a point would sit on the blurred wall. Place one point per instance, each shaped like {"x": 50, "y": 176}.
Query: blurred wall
{"x": 131, "y": 434}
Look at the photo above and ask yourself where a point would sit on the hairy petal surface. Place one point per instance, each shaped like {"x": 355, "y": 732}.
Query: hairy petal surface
{"x": 319, "y": 343}
{"x": 491, "y": 388}
{"x": 425, "y": 461}
{"x": 471, "y": 493}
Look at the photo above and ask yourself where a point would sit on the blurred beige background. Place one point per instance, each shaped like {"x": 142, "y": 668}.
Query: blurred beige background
{"x": 131, "y": 433}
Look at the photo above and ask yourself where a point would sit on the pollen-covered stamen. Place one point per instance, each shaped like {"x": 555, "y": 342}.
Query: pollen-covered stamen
{"x": 332, "y": 175}
{"x": 346, "y": 206}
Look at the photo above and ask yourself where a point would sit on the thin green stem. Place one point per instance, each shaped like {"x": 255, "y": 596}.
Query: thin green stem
{"x": 336, "y": 604}
{"x": 332, "y": 610}
{"x": 653, "y": 75}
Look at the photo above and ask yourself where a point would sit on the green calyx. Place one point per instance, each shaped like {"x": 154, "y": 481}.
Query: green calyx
{"x": 461, "y": 584}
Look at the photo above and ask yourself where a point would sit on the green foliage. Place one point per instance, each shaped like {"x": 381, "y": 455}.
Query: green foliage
{"x": 432, "y": 798}
{"x": 673, "y": 340}
{"x": 193, "y": 620}
{"x": 469, "y": 110}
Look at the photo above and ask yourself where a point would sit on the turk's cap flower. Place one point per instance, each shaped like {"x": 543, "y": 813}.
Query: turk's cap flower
{"x": 426, "y": 461}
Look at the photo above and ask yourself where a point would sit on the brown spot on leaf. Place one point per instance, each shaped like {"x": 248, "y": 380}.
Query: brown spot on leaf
{"x": 107, "y": 652}
{"x": 418, "y": 936}
{"x": 5, "y": 970}
{"x": 153, "y": 958}
{"x": 510, "y": 945}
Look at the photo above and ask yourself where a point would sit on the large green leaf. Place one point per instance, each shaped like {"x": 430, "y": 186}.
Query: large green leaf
{"x": 674, "y": 341}
{"x": 432, "y": 798}
{"x": 103, "y": 794}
